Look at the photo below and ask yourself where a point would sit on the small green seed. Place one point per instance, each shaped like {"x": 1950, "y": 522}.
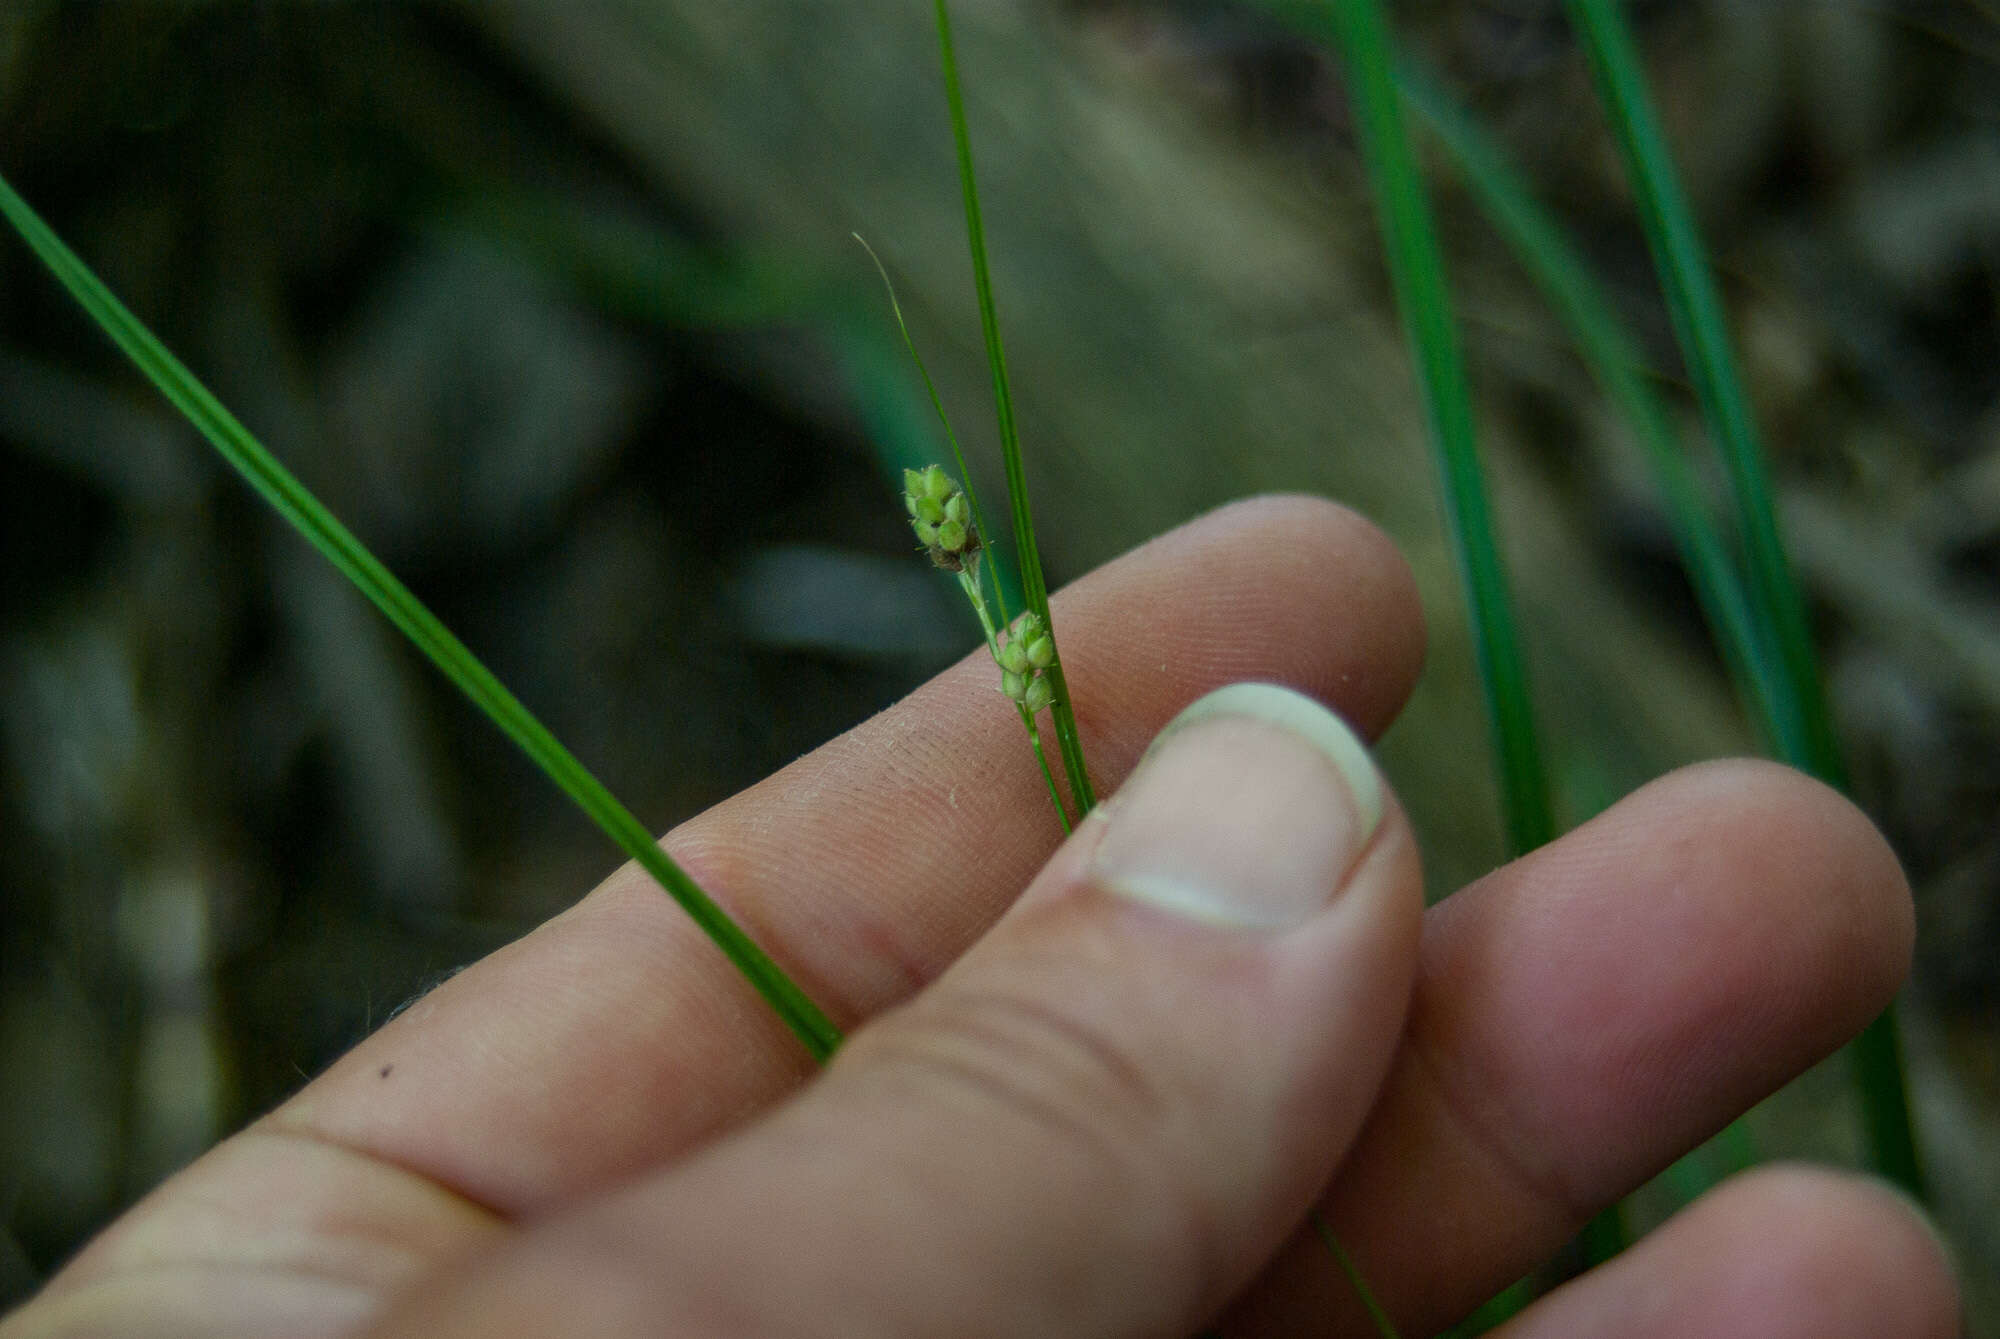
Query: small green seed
{"x": 1041, "y": 652}
{"x": 925, "y": 509}
{"x": 1040, "y": 693}
{"x": 927, "y": 533}
{"x": 1013, "y": 685}
{"x": 937, "y": 484}
{"x": 1014, "y": 659}
{"x": 951, "y": 537}
{"x": 957, "y": 509}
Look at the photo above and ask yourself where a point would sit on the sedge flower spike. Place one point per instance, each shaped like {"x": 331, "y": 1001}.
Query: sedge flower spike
{"x": 1026, "y": 653}
{"x": 941, "y": 517}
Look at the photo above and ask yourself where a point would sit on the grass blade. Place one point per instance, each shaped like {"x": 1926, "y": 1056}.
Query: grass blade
{"x": 1357, "y": 30}
{"x": 1034, "y": 588}
{"x": 1384, "y": 1326}
{"x": 1695, "y": 307}
{"x": 1556, "y": 265}
{"x": 291, "y": 500}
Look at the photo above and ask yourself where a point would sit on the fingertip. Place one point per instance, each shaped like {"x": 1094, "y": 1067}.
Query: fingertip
{"x": 1784, "y": 1251}
{"x": 1780, "y": 820}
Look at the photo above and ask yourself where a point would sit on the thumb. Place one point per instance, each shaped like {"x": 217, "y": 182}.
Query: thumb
{"x": 1100, "y": 1121}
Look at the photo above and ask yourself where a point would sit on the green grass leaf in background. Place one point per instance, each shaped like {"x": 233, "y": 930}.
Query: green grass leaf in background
{"x": 292, "y": 501}
{"x": 1607, "y": 348}
{"x": 1357, "y": 30}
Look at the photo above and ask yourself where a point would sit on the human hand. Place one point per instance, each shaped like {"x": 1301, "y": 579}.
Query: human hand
{"x": 1105, "y": 1118}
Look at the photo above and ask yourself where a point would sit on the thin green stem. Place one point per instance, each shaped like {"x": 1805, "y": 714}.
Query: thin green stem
{"x": 1033, "y": 585}
{"x": 1359, "y": 32}
{"x": 1695, "y": 306}
{"x": 1048, "y": 777}
{"x": 1376, "y": 1313}
{"x": 306, "y": 514}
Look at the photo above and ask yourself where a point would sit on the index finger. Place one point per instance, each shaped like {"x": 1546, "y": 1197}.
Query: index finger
{"x": 615, "y": 1036}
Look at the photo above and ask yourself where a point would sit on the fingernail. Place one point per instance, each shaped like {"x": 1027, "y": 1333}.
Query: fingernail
{"x": 1248, "y": 810}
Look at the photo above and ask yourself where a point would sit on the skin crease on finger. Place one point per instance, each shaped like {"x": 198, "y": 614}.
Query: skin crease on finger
{"x": 613, "y": 1038}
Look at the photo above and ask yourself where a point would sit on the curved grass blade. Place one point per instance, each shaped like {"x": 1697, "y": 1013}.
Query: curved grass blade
{"x": 1696, "y": 310}
{"x": 1358, "y": 31}
{"x": 1034, "y": 588}
{"x": 291, "y": 500}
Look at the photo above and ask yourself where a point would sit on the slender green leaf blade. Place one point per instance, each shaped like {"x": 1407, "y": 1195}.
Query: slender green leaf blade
{"x": 1027, "y": 555}
{"x": 298, "y": 506}
{"x": 1557, "y": 266}
{"x": 1357, "y": 29}
{"x": 1695, "y": 308}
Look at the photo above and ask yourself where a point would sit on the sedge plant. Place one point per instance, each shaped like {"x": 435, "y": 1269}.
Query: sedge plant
{"x": 1755, "y": 608}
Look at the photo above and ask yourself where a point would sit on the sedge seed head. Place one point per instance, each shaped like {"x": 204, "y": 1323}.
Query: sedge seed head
{"x": 941, "y": 516}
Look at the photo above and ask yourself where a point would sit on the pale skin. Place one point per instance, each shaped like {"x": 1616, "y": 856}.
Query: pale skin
{"x": 1105, "y": 1119}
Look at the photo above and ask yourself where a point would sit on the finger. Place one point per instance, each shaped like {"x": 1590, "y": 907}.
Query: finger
{"x": 1588, "y": 1013}
{"x": 616, "y": 1035}
{"x": 1097, "y": 1123}
{"x": 1784, "y": 1253}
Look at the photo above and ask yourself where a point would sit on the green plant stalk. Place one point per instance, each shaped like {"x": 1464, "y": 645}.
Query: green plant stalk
{"x": 971, "y": 580}
{"x": 1696, "y": 311}
{"x": 1384, "y": 1326}
{"x": 1359, "y": 33}
{"x": 1033, "y": 585}
{"x": 306, "y": 514}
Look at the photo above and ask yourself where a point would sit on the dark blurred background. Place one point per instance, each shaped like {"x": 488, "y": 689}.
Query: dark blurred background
{"x": 556, "y": 306}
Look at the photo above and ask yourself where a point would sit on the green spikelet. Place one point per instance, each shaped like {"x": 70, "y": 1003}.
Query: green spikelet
{"x": 941, "y": 517}
{"x": 1024, "y": 655}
